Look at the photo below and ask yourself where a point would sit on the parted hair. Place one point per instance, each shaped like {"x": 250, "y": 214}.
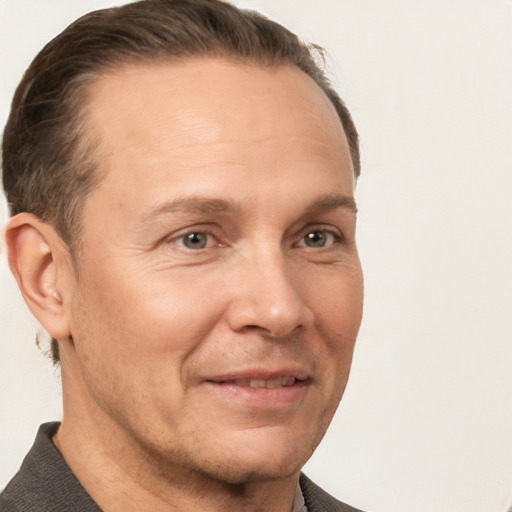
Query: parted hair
{"x": 48, "y": 157}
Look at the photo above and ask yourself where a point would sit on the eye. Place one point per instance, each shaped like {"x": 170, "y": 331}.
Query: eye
{"x": 194, "y": 240}
{"x": 319, "y": 239}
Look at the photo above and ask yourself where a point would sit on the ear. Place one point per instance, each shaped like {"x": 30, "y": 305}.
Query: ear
{"x": 41, "y": 264}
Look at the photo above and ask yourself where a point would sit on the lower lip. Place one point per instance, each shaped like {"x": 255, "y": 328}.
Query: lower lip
{"x": 261, "y": 398}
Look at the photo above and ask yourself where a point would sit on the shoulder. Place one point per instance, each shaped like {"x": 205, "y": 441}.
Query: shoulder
{"x": 44, "y": 482}
{"x": 25, "y": 486}
{"x": 317, "y": 500}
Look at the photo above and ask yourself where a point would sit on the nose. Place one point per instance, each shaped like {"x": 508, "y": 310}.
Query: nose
{"x": 267, "y": 296}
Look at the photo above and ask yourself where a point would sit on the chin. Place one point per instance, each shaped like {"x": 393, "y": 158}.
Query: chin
{"x": 257, "y": 462}
{"x": 241, "y": 472}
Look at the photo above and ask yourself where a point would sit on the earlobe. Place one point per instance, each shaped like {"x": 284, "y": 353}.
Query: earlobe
{"x": 34, "y": 256}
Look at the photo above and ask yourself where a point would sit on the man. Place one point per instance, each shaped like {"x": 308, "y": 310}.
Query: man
{"x": 180, "y": 176}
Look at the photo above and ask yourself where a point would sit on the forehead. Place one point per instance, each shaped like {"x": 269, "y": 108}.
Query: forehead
{"x": 171, "y": 123}
{"x": 201, "y": 97}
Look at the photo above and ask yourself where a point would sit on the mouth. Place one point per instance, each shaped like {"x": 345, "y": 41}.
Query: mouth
{"x": 279, "y": 382}
{"x": 261, "y": 389}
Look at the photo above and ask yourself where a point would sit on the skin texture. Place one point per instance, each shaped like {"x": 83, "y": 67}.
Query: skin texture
{"x": 218, "y": 247}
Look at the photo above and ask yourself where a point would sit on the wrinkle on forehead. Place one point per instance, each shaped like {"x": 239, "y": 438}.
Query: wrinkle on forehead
{"x": 202, "y": 92}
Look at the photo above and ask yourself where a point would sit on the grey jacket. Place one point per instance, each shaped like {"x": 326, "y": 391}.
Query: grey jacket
{"x": 45, "y": 483}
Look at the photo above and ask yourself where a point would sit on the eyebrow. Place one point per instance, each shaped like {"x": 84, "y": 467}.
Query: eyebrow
{"x": 192, "y": 205}
{"x": 199, "y": 204}
{"x": 332, "y": 202}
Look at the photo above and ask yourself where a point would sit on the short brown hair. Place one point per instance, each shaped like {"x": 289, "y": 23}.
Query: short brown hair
{"x": 48, "y": 159}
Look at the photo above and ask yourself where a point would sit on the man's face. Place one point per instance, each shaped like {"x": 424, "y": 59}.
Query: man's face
{"x": 219, "y": 290}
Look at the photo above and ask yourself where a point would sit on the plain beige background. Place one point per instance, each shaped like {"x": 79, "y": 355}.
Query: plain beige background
{"x": 426, "y": 422}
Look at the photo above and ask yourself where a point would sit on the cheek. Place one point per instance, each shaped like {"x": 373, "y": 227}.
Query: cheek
{"x": 133, "y": 338}
{"x": 179, "y": 312}
{"x": 338, "y": 312}
{"x": 339, "y": 305}
{"x": 152, "y": 312}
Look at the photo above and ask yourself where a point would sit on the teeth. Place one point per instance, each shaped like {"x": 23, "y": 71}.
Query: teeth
{"x": 273, "y": 383}
{"x": 256, "y": 383}
{"x": 279, "y": 382}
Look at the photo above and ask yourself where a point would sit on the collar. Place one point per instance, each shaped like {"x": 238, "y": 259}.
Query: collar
{"x": 299, "y": 504}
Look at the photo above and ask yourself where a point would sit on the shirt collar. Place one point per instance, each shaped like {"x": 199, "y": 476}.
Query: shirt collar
{"x": 299, "y": 504}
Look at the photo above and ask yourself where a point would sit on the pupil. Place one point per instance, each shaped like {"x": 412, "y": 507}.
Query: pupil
{"x": 195, "y": 241}
{"x": 315, "y": 239}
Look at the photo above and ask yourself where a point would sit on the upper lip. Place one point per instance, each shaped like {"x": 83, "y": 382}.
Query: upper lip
{"x": 299, "y": 373}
